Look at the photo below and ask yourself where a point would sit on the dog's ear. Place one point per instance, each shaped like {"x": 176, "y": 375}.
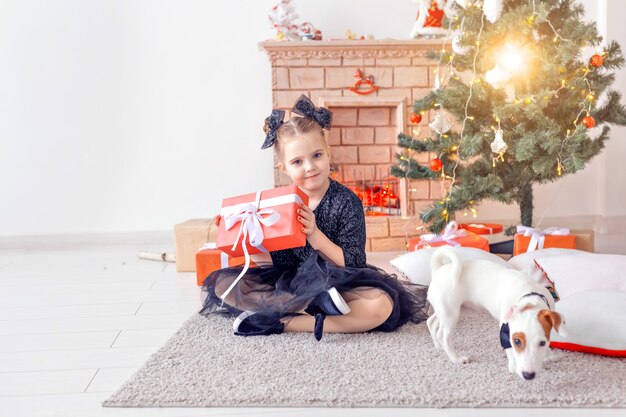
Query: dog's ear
{"x": 513, "y": 310}
{"x": 535, "y": 274}
{"x": 559, "y": 326}
{"x": 552, "y": 320}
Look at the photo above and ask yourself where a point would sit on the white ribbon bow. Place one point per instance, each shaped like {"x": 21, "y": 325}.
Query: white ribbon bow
{"x": 450, "y": 232}
{"x": 538, "y": 236}
{"x": 481, "y": 226}
{"x": 251, "y": 218}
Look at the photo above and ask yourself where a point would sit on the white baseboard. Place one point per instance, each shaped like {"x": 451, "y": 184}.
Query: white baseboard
{"x": 599, "y": 224}
{"x": 164, "y": 239}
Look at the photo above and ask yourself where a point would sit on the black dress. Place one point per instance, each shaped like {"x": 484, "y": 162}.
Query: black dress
{"x": 300, "y": 274}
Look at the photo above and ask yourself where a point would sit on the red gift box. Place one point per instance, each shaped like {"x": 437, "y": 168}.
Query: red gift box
{"x": 482, "y": 228}
{"x": 470, "y": 239}
{"x": 209, "y": 260}
{"x": 542, "y": 239}
{"x": 264, "y": 220}
{"x": 451, "y": 236}
{"x": 493, "y": 232}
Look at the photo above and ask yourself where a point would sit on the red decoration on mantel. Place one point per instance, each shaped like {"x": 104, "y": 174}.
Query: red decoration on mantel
{"x": 360, "y": 81}
{"x": 435, "y": 16}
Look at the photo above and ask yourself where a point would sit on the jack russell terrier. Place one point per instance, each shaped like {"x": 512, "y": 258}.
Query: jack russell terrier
{"x": 524, "y": 308}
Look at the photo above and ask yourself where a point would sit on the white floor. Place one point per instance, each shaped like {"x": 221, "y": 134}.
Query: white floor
{"x": 80, "y": 314}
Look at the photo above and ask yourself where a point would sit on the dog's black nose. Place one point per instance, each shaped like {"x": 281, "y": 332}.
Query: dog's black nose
{"x": 528, "y": 375}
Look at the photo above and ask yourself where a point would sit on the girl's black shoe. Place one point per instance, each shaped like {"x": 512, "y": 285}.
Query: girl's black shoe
{"x": 250, "y": 323}
{"x": 327, "y": 303}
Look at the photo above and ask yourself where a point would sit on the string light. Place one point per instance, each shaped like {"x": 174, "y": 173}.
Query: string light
{"x": 559, "y": 167}
{"x": 557, "y": 36}
{"x": 467, "y": 117}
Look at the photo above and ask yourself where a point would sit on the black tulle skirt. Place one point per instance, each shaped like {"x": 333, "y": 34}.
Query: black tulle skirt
{"x": 285, "y": 292}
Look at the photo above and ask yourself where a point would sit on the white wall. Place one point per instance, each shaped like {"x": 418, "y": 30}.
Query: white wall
{"x": 614, "y": 166}
{"x": 128, "y": 115}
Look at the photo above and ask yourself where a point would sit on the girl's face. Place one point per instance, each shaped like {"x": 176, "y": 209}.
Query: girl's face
{"x": 306, "y": 161}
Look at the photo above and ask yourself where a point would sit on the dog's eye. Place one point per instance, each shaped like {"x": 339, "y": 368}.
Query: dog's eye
{"x": 517, "y": 342}
{"x": 542, "y": 343}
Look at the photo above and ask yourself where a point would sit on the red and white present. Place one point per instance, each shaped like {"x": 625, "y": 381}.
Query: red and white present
{"x": 209, "y": 259}
{"x": 529, "y": 239}
{"x": 451, "y": 236}
{"x": 261, "y": 222}
{"x": 493, "y": 232}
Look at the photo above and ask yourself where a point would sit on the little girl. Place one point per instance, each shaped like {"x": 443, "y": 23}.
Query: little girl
{"x": 325, "y": 285}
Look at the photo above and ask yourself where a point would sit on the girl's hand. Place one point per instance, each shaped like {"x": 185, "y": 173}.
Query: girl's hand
{"x": 307, "y": 218}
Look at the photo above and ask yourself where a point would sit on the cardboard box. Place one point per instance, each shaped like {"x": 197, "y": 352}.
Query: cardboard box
{"x": 577, "y": 239}
{"x": 470, "y": 240}
{"x": 189, "y": 237}
{"x": 285, "y": 233}
{"x": 584, "y": 239}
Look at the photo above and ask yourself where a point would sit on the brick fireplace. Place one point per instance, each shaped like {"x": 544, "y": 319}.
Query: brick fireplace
{"x": 363, "y": 139}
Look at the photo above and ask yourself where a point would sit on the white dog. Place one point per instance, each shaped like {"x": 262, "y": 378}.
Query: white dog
{"x": 524, "y": 308}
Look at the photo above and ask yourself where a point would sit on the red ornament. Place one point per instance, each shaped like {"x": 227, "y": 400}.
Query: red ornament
{"x": 596, "y": 60}
{"x": 436, "y": 164}
{"x": 588, "y": 121}
{"x": 415, "y": 118}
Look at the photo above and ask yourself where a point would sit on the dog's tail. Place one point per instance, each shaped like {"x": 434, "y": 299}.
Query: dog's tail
{"x": 438, "y": 260}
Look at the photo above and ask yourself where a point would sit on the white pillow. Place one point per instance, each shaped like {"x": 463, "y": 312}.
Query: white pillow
{"x": 525, "y": 262}
{"x": 415, "y": 266}
{"x": 594, "y": 322}
{"x": 585, "y": 271}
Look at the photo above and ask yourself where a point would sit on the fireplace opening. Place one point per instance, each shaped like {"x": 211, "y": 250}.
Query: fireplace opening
{"x": 380, "y": 197}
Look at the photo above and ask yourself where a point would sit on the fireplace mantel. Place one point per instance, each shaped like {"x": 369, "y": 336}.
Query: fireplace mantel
{"x": 387, "y": 48}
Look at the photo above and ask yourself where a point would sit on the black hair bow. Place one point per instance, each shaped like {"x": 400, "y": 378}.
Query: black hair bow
{"x": 273, "y": 123}
{"x": 305, "y": 107}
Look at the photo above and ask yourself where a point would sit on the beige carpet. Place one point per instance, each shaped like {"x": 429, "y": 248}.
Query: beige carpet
{"x": 205, "y": 365}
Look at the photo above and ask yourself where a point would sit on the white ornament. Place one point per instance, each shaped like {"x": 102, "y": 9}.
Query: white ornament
{"x": 492, "y": 9}
{"x": 498, "y": 145}
{"x": 462, "y": 3}
{"x": 497, "y": 77}
{"x": 282, "y": 17}
{"x": 456, "y": 46}
{"x": 441, "y": 124}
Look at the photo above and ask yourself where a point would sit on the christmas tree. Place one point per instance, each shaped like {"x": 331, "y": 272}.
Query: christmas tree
{"x": 527, "y": 82}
